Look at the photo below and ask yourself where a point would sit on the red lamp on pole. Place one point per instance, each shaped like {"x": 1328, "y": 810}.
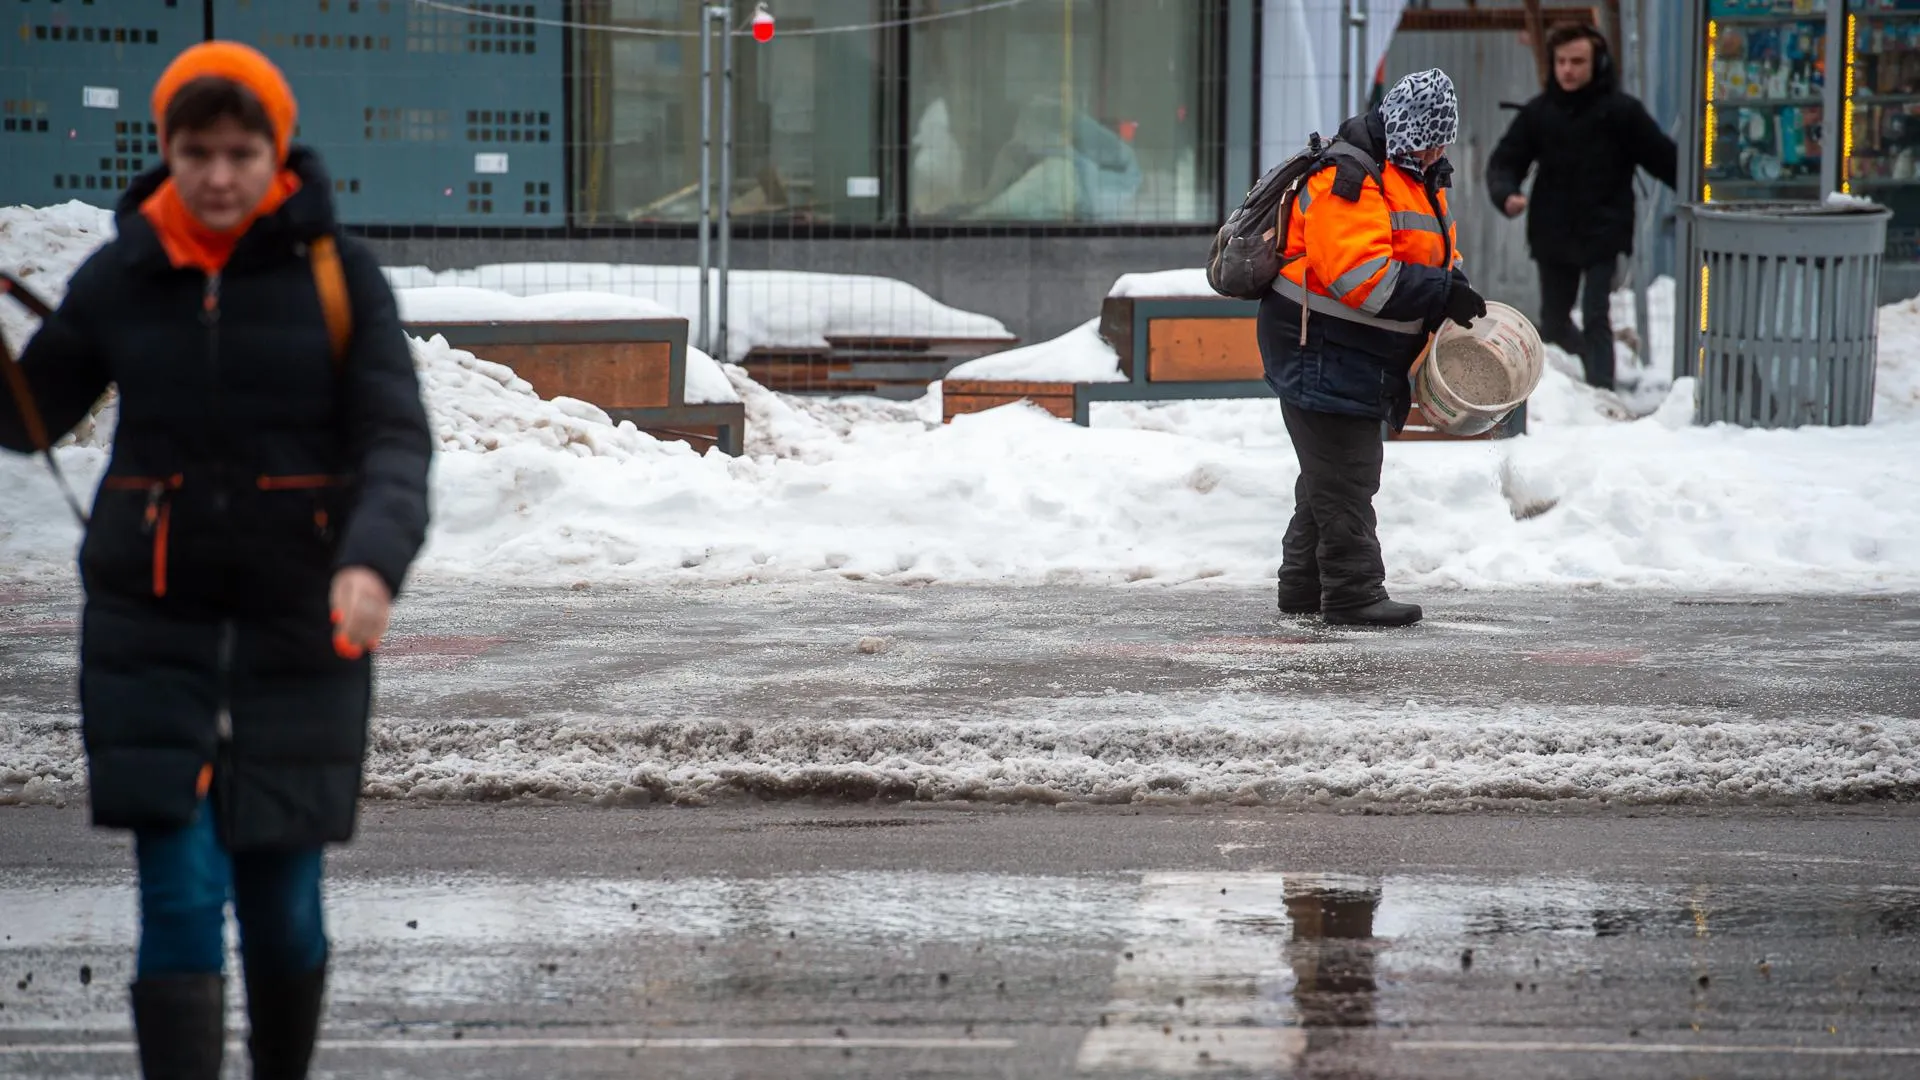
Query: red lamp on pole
{"x": 762, "y": 24}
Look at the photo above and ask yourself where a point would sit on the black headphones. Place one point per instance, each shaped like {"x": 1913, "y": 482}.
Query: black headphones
{"x": 1602, "y": 53}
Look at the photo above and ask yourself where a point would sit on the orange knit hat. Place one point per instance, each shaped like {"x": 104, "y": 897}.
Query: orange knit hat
{"x": 241, "y": 64}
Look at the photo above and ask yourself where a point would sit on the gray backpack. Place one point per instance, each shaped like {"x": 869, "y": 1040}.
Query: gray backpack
{"x": 1245, "y": 258}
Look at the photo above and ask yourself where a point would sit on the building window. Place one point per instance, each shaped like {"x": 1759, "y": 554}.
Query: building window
{"x": 1066, "y": 111}
{"x": 811, "y": 116}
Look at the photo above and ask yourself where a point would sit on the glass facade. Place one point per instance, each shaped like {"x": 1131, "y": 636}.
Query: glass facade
{"x": 1046, "y": 112}
{"x": 1883, "y": 115}
{"x": 1766, "y": 77}
{"x": 1066, "y": 111}
{"x": 811, "y": 120}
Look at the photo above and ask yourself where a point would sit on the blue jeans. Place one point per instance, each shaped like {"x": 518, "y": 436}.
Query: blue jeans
{"x": 186, "y": 879}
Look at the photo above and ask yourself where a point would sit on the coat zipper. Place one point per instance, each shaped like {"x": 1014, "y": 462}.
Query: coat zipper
{"x": 224, "y": 723}
{"x": 210, "y": 316}
{"x": 157, "y": 521}
{"x": 1446, "y": 241}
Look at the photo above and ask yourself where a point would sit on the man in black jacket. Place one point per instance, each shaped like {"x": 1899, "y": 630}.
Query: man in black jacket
{"x": 1586, "y": 137}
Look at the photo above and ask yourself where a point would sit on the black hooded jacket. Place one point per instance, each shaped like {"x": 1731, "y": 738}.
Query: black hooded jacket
{"x": 1586, "y": 145}
{"x": 248, "y": 467}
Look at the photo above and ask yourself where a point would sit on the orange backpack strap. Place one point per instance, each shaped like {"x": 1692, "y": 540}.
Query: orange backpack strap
{"x": 331, "y": 282}
{"x": 16, "y": 375}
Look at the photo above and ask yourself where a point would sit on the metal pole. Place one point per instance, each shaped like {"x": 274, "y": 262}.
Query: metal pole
{"x": 1636, "y": 30}
{"x": 701, "y": 337}
{"x": 1346, "y": 59}
{"x": 726, "y": 168}
{"x": 1362, "y": 75}
{"x": 1692, "y": 92}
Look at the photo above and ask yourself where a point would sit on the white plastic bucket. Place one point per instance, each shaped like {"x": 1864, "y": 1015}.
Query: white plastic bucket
{"x": 1500, "y": 357}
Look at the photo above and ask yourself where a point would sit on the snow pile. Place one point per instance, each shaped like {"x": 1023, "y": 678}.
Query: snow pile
{"x": 771, "y": 308}
{"x": 1171, "y": 284}
{"x": 459, "y": 304}
{"x": 1079, "y": 355}
{"x": 43, "y": 247}
{"x": 1175, "y": 749}
{"x": 1896, "y": 392}
{"x": 440, "y": 304}
{"x": 541, "y": 492}
{"x": 1237, "y": 748}
{"x": 478, "y": 406}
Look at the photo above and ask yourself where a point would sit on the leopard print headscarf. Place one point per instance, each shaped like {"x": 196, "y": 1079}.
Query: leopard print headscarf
{"x": 1421, "y": 112}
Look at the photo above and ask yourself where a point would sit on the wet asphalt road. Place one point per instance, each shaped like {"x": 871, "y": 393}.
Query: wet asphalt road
{"x": 811, "y": 940}
{"x": 807, "y": 937}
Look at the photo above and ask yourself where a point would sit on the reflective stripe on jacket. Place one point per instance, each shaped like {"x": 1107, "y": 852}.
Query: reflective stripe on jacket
{"x": 1377, "y": 259}
{"x": 1366, "y": 273}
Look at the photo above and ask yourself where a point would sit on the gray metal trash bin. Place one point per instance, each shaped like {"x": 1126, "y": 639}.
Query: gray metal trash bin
{"x": 1783, "y": 325}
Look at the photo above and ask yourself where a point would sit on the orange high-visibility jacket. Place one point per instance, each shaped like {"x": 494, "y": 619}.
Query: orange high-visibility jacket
{"x": 1369, "y": 261}
{"x": 1379, "y": 260}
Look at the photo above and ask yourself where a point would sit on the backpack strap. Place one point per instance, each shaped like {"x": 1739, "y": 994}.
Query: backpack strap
{"x": 1354, "y": 167}
{"x": 15, "y": 374}
{"x": 330, "y": 279}
{"x": 16, "y": 377}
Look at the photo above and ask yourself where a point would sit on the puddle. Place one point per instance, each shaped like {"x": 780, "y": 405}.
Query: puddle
{"x": 1173, "y": 973}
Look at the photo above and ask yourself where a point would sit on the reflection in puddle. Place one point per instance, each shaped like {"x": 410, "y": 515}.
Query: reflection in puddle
{"x": 1198, "y": 972}
{"x": 1332, "y": 951}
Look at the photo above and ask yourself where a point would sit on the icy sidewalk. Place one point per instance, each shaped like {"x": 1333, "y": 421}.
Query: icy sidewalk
{"x": 1050, "y": 695}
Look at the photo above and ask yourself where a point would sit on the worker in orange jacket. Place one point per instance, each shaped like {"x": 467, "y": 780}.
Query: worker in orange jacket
{"x": 1369, "y": 269}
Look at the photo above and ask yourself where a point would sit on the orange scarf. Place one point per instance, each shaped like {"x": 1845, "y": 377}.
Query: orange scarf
{"x": 191, "y": 243}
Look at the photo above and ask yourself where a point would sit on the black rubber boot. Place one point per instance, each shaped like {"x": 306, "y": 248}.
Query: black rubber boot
{"x": 283, "y": 1012}
{"x": 1378, "y": 613}
{"x": 179, "y": 1023}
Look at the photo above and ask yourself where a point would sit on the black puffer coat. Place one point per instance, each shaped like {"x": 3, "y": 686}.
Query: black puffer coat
{"x": 1586, "y": 144}
{"x": 246, "y": 470}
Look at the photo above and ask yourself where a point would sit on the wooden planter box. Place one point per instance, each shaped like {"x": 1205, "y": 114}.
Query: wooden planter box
{"x": 634, "y": 369}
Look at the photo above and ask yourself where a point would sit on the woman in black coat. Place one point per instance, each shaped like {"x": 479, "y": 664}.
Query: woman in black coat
{"x": 266, "y": 495}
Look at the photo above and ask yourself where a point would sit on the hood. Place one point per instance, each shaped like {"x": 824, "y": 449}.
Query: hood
{"x": 307, "y": 213}
{"x": 1420, "y": 112}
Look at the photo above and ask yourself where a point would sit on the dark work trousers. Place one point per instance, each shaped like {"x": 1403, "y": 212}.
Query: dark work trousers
{"x": 1559, "y": 282}
{"x": 1331, "y": 550}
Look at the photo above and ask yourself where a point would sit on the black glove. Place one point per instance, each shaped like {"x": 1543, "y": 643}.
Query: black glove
{"x": 1463, "y": 304}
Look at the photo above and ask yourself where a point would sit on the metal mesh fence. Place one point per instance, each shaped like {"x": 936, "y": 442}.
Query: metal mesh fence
{"x": 937, "y": 177}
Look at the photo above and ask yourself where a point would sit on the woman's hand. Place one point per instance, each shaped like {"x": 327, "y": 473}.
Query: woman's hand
{"x": 361, "y": 606}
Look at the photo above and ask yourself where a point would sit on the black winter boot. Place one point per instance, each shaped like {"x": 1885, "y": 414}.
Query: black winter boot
{"x": 179, "y": 1023}
{"x": 283, "y": 1012}
{"x": 1378, "y": 613}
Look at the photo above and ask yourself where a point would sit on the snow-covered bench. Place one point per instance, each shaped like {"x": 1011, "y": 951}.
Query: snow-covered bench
{"x": 627, "y": 356}
{"x": 896, "y": 366}
{"x": 1157, "y": 339}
